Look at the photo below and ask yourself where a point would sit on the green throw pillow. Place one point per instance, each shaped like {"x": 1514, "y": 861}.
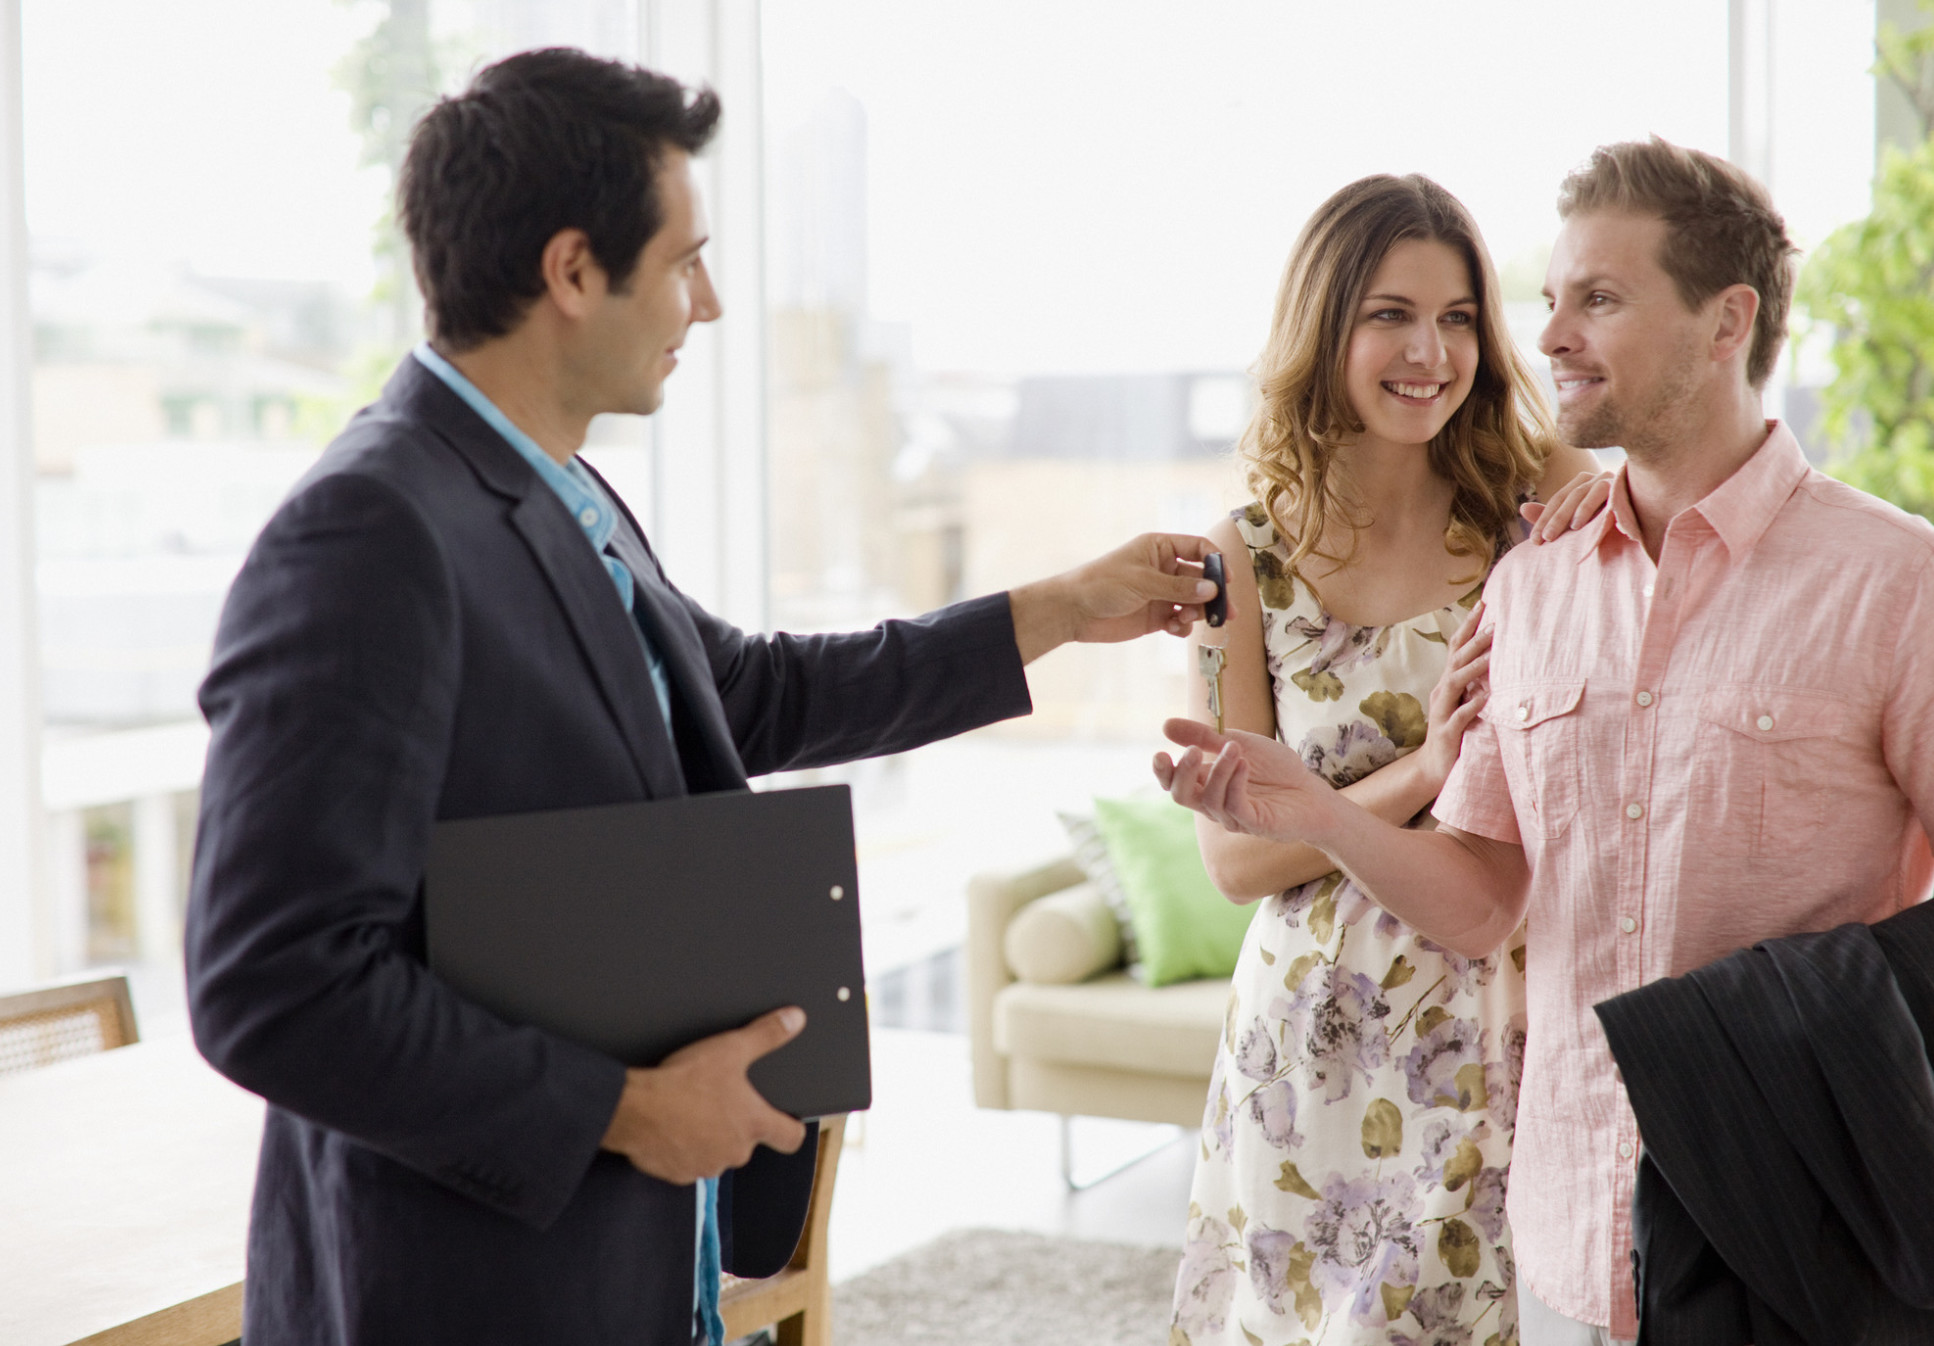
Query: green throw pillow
{"x": 1184, "y": 928}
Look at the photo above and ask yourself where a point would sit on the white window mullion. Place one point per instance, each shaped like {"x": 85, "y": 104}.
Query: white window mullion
{"x": 25, "y": 931}
{"x": 708, "y": 509}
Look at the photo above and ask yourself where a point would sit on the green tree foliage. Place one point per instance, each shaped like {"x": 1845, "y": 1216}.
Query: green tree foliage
{"x": 391, "y": 79}
{"x": 392, "y": 76}
{"x": 1906, "y": 58}
{"x": 1872, "y": 282}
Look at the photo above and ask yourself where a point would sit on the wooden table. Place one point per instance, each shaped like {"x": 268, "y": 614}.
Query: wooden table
{"x": 124, "y": 1193}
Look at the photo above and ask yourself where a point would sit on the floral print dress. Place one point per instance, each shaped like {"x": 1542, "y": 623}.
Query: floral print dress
{"x": 1350, "y": 1183}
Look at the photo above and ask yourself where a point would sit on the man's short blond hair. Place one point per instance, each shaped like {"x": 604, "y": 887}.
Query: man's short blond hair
{"x": 1721, "y": 228}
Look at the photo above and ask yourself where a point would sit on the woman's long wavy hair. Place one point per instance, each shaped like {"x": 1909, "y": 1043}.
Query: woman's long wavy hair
{"x": 1493, "y": 447}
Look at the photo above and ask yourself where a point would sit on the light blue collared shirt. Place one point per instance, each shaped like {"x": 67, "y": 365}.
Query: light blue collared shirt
{"x": 579, "y": 491}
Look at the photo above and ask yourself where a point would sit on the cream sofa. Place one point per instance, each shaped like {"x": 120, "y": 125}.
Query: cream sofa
{"x": 1101, "y": 1046}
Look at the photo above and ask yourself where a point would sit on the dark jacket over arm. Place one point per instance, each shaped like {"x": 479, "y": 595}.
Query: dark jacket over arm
{"x": 421, "y": 633}
{"x": 1786, "y": 1191}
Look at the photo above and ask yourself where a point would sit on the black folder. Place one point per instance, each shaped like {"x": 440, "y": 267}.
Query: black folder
{"x": 639, "y": 928}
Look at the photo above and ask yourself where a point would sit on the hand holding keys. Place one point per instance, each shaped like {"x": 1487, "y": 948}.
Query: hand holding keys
{"x": 1216, "y": 611}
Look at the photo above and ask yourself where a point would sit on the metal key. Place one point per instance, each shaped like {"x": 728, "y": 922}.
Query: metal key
{"x": 1209, "y": 660}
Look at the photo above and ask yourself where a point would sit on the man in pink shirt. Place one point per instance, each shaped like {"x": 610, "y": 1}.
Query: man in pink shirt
{"x": 1710, "y": 711}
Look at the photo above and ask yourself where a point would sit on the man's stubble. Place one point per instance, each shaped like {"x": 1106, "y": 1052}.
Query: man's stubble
{"x": 1654, "y": 430}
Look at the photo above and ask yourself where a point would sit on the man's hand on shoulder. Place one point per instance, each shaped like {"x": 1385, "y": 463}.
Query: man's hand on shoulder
{"x": 696, "y": 1114}
{"x": 1153, "y": 583}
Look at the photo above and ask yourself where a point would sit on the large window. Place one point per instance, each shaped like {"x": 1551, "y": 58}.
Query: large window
{"x": 216, "y": 284}
{"x": 1020, "y": 256}
{"x": 992, "y": 272}
{"x": 203, "y": 298}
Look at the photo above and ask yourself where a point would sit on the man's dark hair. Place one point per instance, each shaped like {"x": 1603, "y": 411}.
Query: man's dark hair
{"x": 539, "y": 142}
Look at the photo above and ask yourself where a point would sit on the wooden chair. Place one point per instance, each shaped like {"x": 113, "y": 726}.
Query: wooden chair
{"x": 799, "y": 1300}
{"x": 66, "y": 1019}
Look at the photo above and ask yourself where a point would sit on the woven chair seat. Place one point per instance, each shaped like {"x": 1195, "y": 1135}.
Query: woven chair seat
{"x": 58, "y": 1023}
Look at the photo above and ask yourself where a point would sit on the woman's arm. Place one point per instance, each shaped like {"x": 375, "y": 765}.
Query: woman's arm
{"x": 1245, "y": 868}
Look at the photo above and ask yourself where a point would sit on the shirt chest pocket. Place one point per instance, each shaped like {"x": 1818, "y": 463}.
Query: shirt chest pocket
{"x": 1539, "y": 726}
{"x": 1767, "y": 760}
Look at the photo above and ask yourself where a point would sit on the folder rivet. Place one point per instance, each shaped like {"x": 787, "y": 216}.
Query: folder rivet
{"x": 838, "y": 892}
{"x": 845, "y": 994}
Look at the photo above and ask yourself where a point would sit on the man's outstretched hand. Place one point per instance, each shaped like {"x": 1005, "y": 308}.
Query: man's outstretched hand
{"x": 1153, "y": 583}
{"x": 1247, "y": 783}
{"x": 695, "y": 1114}
{"x": 1464, "y": 891}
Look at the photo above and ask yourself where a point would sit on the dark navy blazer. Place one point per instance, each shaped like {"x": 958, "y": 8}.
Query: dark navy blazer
{"x": 1785, "y": 1196}
{"x": 421, "y": 633}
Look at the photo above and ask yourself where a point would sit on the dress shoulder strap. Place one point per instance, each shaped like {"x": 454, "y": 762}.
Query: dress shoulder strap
{"x": 1276, "y": 581}
{"x": 1258, "y": 530}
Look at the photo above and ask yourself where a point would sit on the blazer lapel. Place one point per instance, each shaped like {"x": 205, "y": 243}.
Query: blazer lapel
{"x": 604, "y": 632}
{"x": 577, "y": 577}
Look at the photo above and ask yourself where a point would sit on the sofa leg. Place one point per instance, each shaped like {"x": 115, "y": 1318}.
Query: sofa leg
{"x": 1067, "y": 1156}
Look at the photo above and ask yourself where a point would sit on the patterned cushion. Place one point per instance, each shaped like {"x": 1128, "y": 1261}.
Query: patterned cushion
{"x": 1091, "y": 853}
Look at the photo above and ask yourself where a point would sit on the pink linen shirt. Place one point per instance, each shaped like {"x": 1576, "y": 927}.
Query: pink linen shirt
{"x": 1734, "y": 745}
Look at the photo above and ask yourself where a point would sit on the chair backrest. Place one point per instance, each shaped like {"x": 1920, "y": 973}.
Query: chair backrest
{"x": 67, "y": 1019}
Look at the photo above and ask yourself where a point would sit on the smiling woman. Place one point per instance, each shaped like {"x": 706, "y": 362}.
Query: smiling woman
{"x": 1391, "y": 271}
{"x": 1358, "y": 1126}
{"x": 1413, "y": 349}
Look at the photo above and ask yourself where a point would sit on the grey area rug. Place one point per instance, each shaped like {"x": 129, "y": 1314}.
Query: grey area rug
{"x": 987, "y": 1287}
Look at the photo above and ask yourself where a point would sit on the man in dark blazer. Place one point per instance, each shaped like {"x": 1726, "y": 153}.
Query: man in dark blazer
{"x": 452, "y": 617}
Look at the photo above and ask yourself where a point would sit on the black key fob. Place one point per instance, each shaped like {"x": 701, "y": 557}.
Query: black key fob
{"x": 1216, "y": 611}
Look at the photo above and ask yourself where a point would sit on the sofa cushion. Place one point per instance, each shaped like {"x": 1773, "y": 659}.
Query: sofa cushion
{"x": 1114, "y": 1020}
{"x": 1062, "y": 938}
{"x": 1184, "y": 928}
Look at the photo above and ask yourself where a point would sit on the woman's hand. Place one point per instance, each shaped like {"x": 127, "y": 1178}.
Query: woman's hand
{"x": 1456, "y": 699}
{"x": 1577, "y": 503}
{"x": 1252, "y": 784}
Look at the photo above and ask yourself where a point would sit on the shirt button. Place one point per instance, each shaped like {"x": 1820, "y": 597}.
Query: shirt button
{"x": 1644, "y": 698}
{"x": 1648, "y": 591}
{"x": 1627, "y": 924}
{"x": 588, "y": 517}
{"x": 1765, "y": 722}
{"x": 1635, "y": 811}
{"x": 1524, "y": 712}
{"x": 1625, "y": 1149}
